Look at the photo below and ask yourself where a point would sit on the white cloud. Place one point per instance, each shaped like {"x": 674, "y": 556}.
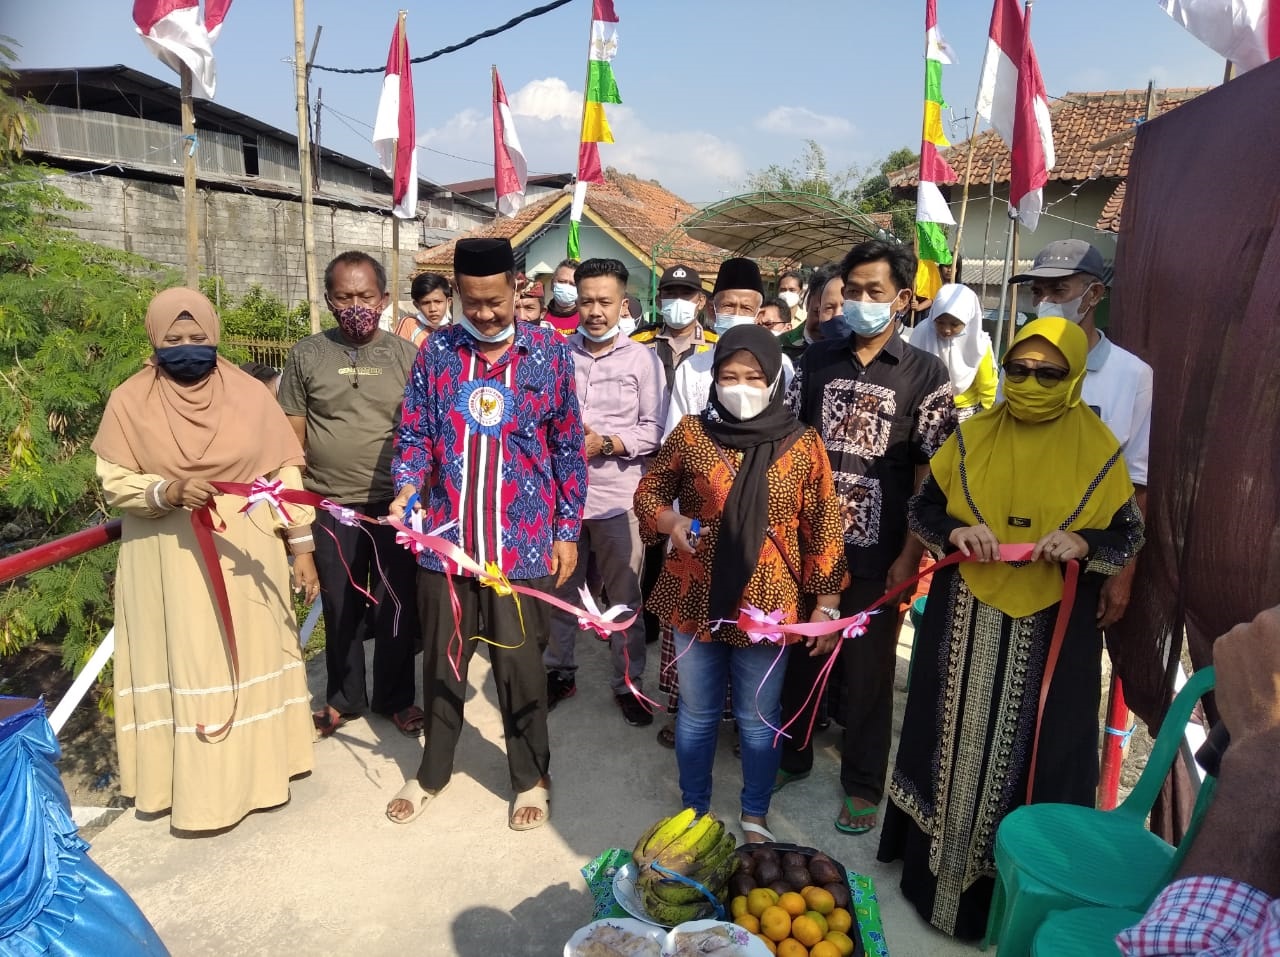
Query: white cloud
{"x": 802, "y": 121}
{"x": 694, "y": 164}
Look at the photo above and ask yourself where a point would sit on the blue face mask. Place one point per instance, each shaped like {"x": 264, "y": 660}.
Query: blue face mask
{"x": 861, "y": 318}
{"x": 479, "y": 336}
{"x": 189, "y": 363}
{"x": 724, "y": 323}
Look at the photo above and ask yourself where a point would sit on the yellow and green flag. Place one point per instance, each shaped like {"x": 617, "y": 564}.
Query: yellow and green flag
{"x": 601, "y": 88}
{"x": 932, "y": 212}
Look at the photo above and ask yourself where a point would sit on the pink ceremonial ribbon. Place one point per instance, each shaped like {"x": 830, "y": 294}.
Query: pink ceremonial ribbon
{"x": 753, "y": 622}
{"x": 587, "y": 620}
{"x": 261, "y": 490}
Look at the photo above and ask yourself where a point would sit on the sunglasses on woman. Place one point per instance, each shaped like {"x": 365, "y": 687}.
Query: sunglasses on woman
{"x": 1047, "y": 376}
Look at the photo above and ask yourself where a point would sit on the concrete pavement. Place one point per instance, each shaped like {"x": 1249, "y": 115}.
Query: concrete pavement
{"x": 329, "y": 874}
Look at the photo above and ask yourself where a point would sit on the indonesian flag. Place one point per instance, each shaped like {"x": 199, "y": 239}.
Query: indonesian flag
{"x": 393, "y": 128}
{"x": 1013, "y": 100}
{"x": 174, "y": 31}
{"x": 510, "y": 173}
{"x": 1246, "y": 32}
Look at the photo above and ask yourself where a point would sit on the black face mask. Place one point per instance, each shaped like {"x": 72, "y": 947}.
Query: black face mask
{"x": 187, "y": 364}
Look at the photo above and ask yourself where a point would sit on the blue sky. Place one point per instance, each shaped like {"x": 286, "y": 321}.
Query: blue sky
{"x": 712, "y": 89}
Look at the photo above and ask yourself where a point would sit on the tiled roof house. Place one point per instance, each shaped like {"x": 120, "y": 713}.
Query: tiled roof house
{"x": 625, "y": 217}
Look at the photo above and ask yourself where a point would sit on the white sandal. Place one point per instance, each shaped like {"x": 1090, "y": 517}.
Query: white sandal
{"x": 751, "y": 827}
{"x": 413, "y": 793}
{"x": 537, "y": 797}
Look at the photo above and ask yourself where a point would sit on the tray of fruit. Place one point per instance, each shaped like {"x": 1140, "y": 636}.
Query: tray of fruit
{"x": 795, "y": 898}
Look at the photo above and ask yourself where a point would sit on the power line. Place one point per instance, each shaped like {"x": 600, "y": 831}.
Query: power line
{"x": 513, "y": 22}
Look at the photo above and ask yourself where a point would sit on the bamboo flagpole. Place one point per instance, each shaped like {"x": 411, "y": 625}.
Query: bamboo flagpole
{"x": 190, "y": 214}
{"x": 300, "y": 68}
{"x": 395, "y": 138}
{"x": 964, "y": 195}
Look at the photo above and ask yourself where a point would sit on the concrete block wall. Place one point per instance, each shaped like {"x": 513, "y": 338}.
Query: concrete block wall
{"x": 244, "y": 238}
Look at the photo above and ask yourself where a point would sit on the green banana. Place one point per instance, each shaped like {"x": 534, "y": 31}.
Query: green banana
{"x": 712, "y": 861}
{"x": 670, "y": 914}
{"x": 708, "y": 841}
{"x": 667, "y": 831}
{"x": 676, "y": 892}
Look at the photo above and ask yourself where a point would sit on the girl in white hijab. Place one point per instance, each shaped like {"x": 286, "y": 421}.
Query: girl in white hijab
{"x": 953, "y": 332}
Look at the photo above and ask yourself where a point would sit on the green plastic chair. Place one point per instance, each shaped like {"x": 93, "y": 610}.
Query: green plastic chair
{"x": 1083, "y": 932}
{"x": 1063, "y": 856}
{"x": 916, "y": 614}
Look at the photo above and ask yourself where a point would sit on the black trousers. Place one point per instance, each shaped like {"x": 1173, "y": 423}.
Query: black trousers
{"x": 866, "y": 668}
{"x": 349, "y": 618}
{"x": 517, "y": 671}
{"x": 654, "y": 555}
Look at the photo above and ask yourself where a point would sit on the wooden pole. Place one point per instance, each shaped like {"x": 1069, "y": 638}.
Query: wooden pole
{"x": 189, "y": 212}
{"x": 493, "y": 76}
{"x": 300, "y": 67}
{"x": 1013, "y": 293}
{"x": 964, "y": 195}
{"x": 1004, "y": 286}
{"x": 986, "y": 238}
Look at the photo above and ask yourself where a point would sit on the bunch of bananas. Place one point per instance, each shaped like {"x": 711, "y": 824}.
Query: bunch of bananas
{"x": 698, "y": 848}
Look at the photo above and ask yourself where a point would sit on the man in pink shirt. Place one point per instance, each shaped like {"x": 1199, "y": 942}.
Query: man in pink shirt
{"x": 622, "y": 394}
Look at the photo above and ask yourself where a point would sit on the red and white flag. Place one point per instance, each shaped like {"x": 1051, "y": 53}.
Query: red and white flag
{"x": 176, "y": 33}
{"x": 393, "y": 129}
{"x": 510, "y": 172}
{"x": 1246, "y": 32}
{"x": 1013, "y": 100}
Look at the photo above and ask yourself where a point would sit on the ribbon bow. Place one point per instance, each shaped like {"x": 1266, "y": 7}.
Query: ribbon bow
{"x": 592, "y": 609}
{"x": 760, "y": 617}
{"x": 858, "y": 627}
{"x": 270, "y": 492}
{"x": 414, "y": 521}
{"x": 341, "y": 514}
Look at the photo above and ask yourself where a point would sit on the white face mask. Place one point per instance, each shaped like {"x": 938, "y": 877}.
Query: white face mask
{"x": 1069, "y": 310}
{"x": 678, "y": 313}
{"x": 792, "y": 299}
{"x": 427, "y": 323}
{"x": 564, "y": 293}
{"x": 726, "y": 322}
{"x": 743, "y": 401}
{"x": 605, "y": 336}
{"x": 626, "y": 325}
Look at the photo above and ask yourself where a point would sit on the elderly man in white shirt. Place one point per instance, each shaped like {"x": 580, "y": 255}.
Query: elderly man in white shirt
{"x": 736, "y": 300}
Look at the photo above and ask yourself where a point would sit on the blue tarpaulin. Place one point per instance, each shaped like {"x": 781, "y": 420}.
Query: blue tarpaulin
{"x": 54, "y": 900}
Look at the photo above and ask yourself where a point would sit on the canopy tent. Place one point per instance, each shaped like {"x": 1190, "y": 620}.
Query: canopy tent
{"x": 803, "y": 228}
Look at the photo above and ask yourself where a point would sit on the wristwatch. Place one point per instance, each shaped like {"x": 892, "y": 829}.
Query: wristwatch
{"x": 830, "y": 611}
{"x": 606, "y": 447}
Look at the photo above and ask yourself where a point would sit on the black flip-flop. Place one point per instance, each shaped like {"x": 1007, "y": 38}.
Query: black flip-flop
{"x": 326, "y": 723}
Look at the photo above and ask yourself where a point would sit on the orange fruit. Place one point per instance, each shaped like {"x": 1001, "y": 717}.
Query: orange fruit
{"x": 820, "y": 900}
{"x": 806, "y": 930}
{"x": 759, "y": 899}
{"x": 792, "y": 948}
{"x": 750, "y": 923}
{"x": 738, "y": 906}
{"x": 839, "y": 919}
{"x": 824, "y": 948}
{"x": 792, "y": 903}
{"x": 775, "y": 923}
{"x": 842, "y": 941}
{"x": 804, "y": 891}
{"x": 773, "y": 948}
{"x": 817, "y": 919}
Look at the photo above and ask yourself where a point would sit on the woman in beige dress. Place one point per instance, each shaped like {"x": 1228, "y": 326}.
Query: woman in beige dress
{"x": 187, "y": 419}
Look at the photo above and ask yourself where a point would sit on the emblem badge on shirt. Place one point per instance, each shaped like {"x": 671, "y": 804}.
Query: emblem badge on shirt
{"x": 486, "y": 405}
{"x": 1017, "y": 521}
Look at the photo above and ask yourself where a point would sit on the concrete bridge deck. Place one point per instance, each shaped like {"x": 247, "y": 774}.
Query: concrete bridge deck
{"x": 329, "y": 874}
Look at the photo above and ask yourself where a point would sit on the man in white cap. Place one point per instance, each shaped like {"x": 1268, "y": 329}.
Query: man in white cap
{"x": 1069, "y": 279}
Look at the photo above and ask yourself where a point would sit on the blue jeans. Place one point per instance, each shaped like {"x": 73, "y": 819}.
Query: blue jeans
{"x": 705, "y": 667}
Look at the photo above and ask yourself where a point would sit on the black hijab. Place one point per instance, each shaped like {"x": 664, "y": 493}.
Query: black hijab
{"x": 761, "y": 441}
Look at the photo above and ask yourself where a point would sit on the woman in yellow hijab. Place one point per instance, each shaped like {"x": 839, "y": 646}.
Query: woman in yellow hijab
{"x": 1040, "y": 467}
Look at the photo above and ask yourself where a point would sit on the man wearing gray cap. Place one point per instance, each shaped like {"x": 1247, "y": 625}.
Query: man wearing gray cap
{"x": 1068, "y": 278}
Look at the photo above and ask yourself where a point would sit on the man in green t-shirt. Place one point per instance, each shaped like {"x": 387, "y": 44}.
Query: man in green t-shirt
{"x": 341, "y": 390}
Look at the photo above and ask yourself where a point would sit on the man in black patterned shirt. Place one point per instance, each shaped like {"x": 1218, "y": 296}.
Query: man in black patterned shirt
{"x": 883, "y": 408}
